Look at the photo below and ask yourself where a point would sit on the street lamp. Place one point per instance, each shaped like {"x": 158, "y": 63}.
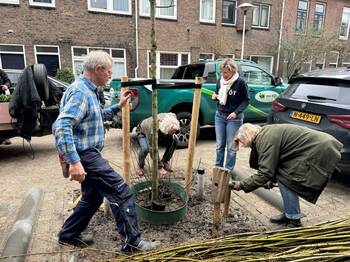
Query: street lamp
{"x": 244, "y": 7}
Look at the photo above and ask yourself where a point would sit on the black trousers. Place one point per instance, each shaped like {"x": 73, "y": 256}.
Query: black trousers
{"x": 102, "y": 181}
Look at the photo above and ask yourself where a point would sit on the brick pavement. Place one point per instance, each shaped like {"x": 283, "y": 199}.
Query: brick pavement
{"x": 19, "y": 172}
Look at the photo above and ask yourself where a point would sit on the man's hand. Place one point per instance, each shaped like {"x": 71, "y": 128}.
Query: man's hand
{"x": 231, "y": 116}
{"x": 4, "y": 87}
{"x": 214, "y": 96}
{"x": 124, "y": 97}
{"x": 235, "y": 185}
{"x": 76, "y": 172}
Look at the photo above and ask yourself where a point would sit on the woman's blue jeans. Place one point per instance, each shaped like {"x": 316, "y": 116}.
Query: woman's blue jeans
{"x": 290, "y": 202}
{"x": 225, "y": 131}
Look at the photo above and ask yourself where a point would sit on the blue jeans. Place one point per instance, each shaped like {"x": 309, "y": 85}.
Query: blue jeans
{"x": 290, "y": 202}
{"x": 225, "y": 131}
{"x": 170, "y": 146}
{"x": 102, "y": 181}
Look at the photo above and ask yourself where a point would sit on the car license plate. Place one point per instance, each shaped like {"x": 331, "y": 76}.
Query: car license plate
{"x": 316, "y": 119}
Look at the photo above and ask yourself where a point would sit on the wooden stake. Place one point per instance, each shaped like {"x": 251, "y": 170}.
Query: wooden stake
{"x": 193, "y": 133}
{"x": 219, "y": 193}
{"x": 216, "y": 220}
{"x": 227, "y": 202}
{"x": 126, "y": 135}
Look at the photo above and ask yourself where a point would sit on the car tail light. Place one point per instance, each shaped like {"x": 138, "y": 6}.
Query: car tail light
{"x": 277, "y": 106}
{"x": 341, "y": 120}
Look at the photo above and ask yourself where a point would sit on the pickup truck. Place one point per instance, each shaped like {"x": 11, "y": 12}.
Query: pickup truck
{"x": 263, "y": 89}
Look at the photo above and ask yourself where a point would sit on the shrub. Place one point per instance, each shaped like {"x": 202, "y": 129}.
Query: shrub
{"x": 5, "y": 98}
{"x": 65, "y": 74}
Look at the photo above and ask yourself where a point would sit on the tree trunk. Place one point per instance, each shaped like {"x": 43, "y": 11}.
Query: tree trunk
{"x": 154, "y": 106}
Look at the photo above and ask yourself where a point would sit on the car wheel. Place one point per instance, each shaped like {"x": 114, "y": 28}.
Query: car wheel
{"x": 185, "y": 126}
{"x": 41, "y": 81}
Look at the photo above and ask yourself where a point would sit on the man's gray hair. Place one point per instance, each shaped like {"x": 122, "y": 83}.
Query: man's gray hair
{"x": 95, "y": 58}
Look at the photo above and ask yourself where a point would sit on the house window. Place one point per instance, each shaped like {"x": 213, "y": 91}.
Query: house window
{"x": 118, "y": 57}
{"x": 333, "y": 59}
{"x": 319, "y": 16}
{"x": 229, "y": 12}
{"x": 224, "y": 56}
{"x": 167, "y": 63}
{"x": 345, "y": 24}
{"x": 320, "y": 62}
{"x": 206, "y": 57}
{"x": 265, "y": 62}
{"x": 164, "y": 8}
{"x": 49, "y": 56}
{"x": 46, "y": 3}
{"x": 306, "y": 67}
{"x": 110, "y": 6}
{"x": 261, "y": 16}
{"x": 303, "y": 8}
{"x": 346, "y": 60}
{"x": 12, "y": 57}
{"x": 15, "y": 2}
{"x": 207, "y": 11}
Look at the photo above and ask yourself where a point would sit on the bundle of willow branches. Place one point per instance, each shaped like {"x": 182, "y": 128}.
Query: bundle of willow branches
{"x": 325, "y": 242}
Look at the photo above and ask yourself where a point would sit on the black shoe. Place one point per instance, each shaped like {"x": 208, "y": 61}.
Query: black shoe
{"x": 283, "y": 220}
{"x": 280, "y": 219}
{"x": 294, "y": 223}
{"x": 78, "y": 241}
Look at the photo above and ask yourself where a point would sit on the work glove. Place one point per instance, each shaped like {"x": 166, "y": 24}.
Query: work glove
{"x": 269, "y": 185}
{"x": 235, "y": 185}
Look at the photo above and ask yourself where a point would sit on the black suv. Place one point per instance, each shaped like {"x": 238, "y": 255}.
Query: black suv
{"x": 319, "y": 100}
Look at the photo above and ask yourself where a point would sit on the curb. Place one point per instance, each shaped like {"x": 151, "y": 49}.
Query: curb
{"x": 18, "y": 241}
{"x": 271, "y": 198}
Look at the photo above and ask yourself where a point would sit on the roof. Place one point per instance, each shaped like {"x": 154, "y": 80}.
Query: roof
{"x": 333, "y": 73}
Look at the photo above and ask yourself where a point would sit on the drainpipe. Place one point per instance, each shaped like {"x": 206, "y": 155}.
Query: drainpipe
{"x": 280, "y": 38}
{"x": 136, "y": 37}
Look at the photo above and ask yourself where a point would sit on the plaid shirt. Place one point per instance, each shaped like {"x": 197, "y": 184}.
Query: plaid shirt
{"x": 79, "y": 125}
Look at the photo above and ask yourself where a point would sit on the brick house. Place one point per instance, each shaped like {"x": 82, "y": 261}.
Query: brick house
{"x": 60, "y": 32}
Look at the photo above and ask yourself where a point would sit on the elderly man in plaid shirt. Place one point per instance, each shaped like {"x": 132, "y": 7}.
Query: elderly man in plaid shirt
{"x": 79, "y": 135}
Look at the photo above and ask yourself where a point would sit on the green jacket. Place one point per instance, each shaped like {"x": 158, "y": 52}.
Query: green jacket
{"x": 300, "y": 158}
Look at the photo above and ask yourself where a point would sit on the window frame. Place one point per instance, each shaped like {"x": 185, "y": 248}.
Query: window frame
{"x": 47, "y": 53}
{"x": 110, "y": 9}
{"x": 235, "y": 13}
{"x": 179, "y": 59}
{"x": 211, "y": 54}
{"x": 14, "y": 52}
{"x": 323, "y": 17}
{"x": 32, "y": 3}
{"x": 258, "y": 6}
{"x": 9, "y": 2}
{"x": 88, "y": 49}
{"x": 260, "y": 69}
{"x": 306, "y": 17}
{"x": 346, "y": 63}
{"x": 268, "y": 56}
{"x": 336, "y": 63}
{"x": 201, "y": 20}
{"x": 174, "y": 17}
{"x": 345, "y": 10}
